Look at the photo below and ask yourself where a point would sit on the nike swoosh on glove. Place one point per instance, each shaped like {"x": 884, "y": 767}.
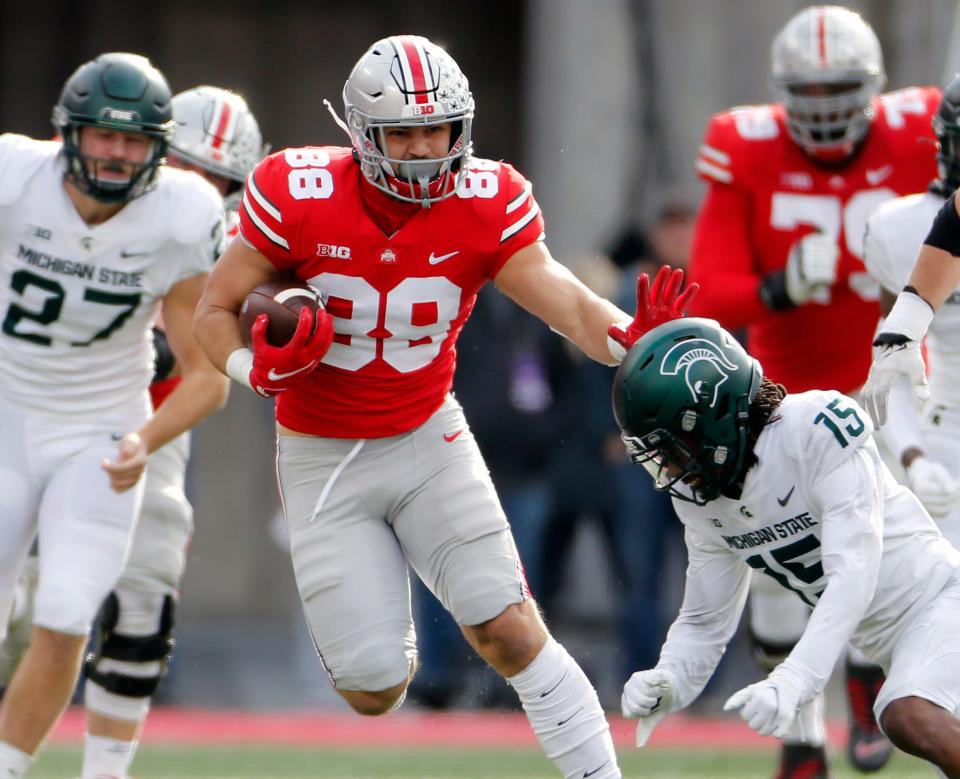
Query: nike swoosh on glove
{"x": 663, "y": 302}
{"x": 648, "y": 696}
{"x": 894, "y": 355}
{"x": 275, "y": 368}
{"x": 769, "y": 707}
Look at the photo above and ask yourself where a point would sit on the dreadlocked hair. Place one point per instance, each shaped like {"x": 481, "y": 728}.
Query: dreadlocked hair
{"x": 762, "y": 413}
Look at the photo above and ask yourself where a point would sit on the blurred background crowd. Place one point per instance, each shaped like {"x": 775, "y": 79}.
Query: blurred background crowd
{"x": 601, "y": 104}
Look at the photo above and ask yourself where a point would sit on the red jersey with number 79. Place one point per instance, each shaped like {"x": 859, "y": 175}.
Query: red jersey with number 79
{"x": 398, "y": 301}
{"x": 765, "y": 194}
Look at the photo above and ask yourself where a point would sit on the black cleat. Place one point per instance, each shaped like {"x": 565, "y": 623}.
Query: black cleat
{"x": 868, "y": 749}
{"x": 802, "y": 761}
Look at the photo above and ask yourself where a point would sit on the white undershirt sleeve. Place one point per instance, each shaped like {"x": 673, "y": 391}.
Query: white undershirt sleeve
{"x": 716, "y": 589}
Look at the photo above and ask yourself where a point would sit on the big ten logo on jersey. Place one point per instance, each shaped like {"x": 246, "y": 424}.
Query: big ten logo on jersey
{"x": 309, "y": 178}
{"x": 334, "y": 251}
{"x": 479, "y": 180}
{"x": 411, "y": 321}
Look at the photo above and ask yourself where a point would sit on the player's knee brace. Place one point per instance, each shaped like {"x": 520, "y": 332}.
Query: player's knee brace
{"x": 156, "y": 648}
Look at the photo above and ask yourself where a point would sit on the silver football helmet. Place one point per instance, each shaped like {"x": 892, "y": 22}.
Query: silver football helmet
{"x": 406, "y": 81}
{"x": 827, "y": 67}
{"x": 217, "y": 132}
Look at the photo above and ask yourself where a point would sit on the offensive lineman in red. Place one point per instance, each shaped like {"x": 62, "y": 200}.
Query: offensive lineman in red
{"x": 778, "y": 250}
{"x": 377, "y": 466}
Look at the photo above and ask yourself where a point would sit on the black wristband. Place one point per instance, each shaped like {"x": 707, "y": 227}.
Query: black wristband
{"x": 165, "y": 361}
{"x": 945, "y": 231}
{"x": 773, "y": 292}
{"x": 890, "y": 339}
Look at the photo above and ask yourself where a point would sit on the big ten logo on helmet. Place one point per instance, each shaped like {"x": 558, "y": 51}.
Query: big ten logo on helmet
{"x": 423, "y": 110}
{"x": 332, "y": 250}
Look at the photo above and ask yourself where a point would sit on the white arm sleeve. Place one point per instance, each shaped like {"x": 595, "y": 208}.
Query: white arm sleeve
{"x": 716, "y": 589}
{"x": 903, "y": 429}
{"x": 851, "y": 513}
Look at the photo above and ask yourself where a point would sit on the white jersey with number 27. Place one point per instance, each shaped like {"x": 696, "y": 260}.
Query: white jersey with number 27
{"x": 77, "y": 301}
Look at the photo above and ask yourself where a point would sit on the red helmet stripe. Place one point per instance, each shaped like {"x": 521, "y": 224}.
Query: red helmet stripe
{"x": 222, "y": 123}
{"x": 822, "y": 35}
{"x": 413, "y": 61}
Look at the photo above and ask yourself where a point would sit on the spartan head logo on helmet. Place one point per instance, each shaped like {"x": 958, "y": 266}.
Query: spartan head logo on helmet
{"x": 704, "y": 366}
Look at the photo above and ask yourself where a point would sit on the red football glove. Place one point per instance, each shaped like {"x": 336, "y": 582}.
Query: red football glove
{"x": 275, "y": 368}
{"x": 655, "y": 305}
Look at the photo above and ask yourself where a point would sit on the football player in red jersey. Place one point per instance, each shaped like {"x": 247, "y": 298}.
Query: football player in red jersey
{"x": 377, "y": 466}
{"x": 778, "y": 250}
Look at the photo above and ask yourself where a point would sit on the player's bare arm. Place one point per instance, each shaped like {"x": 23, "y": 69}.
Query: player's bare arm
{"x": 936, "y": 275}
{"x": 201, "y": 392}
{"x": 238, "y": 271}
{"x": 534, "y": 280}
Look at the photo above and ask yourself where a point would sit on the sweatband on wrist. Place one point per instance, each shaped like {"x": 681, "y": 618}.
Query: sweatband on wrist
{"x": 238, "y": 367}
{"x": 945, "y": 231}
{"x": 911, "y": 315}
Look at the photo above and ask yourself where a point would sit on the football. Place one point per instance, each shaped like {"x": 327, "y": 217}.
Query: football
{"x": 281, "y": 301}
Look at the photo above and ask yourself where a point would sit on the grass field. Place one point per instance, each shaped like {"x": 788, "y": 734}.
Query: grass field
{"x": 261, "y": 762}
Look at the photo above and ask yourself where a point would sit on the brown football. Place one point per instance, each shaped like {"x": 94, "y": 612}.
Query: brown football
{"x": 281, "y": 301}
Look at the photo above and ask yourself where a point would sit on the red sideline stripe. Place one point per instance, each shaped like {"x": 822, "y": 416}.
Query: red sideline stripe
{"x": 411, "y": 729}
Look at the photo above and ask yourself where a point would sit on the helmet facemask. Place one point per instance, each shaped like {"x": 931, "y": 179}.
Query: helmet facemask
{"x": 425, "y": 181}
{"x": 831, "y": 124}
{"x": 86, "y": 172}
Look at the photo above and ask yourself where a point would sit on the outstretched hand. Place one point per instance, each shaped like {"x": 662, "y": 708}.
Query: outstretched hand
{"x": 657, "y": 303}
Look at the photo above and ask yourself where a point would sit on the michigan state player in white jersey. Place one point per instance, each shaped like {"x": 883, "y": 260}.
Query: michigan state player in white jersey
{"x": 791, "y": 487}
{"x": 96, "y": 240}
{"x": 218, "y": 137}
{"x": 926, "y": 443}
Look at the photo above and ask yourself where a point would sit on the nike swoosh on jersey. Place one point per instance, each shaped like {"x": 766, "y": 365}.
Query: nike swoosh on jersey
{"x": 274, "y": 376}
{"x": 434, "y": 259}
{"x": 451, "y": 437}
{"x": 127, "y": 255}
{"x": 874, "y": 177}
{"x": 786, "y": 498}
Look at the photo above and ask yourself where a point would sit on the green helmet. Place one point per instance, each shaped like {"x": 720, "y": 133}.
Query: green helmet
{"x": 116, "y": 91}
{"x": 681, "y": 398}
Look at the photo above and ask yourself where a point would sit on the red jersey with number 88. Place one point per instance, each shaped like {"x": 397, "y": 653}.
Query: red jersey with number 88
{"x": 398, "y": 302}
{"x": 765, "y": 195}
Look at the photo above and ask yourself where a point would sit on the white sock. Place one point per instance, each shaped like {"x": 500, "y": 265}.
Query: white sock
{"x": 107, "y": 758}
{"x": 565, "y": 713}
{"x": 809, "y": 726}
{"x": 13, "y": 762}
